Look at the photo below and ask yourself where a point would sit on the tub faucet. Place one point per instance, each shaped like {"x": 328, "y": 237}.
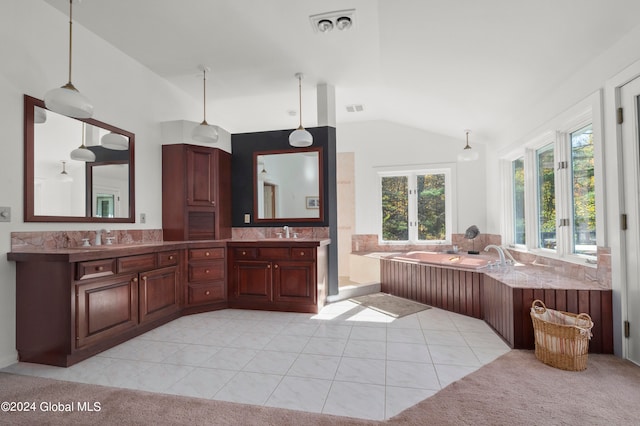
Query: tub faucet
{"x": 500, "y": 251}
{"x": 286, "y": 231}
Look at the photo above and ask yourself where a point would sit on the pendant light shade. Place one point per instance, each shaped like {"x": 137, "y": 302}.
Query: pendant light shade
{"x": 64, "y": 176}
{"x": 82, "y": 153}
{"x": 205, "y": 133}
{"x": 300, "y": 137}
{"x": 114, "y": 141}
{"x": 67, "y": 100}
{"x": 467, "y": 153}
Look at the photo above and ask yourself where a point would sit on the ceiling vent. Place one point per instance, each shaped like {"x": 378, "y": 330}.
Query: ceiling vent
{"x": 341, "y": 20}
{"x": 355, "y": 108}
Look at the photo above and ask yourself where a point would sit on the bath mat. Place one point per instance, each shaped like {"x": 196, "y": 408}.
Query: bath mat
{"x": 387, "y": 304}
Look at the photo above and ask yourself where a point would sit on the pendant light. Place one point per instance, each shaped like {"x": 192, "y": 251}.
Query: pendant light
{"x": 205, "y": 132}
{"x": 82, "y": 153}
{"x": 66, "y": 100}
{"x": 467, "y": 154}
{"x": 300, "y": 137}
{"x": 64, "y": 176}
{"x": 114, "y": 141}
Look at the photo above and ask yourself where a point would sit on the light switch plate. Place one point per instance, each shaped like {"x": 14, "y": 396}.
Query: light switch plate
{"x": 143, "y": 218}
{"x": 247, "y": 218}
{"x": 5, "y": 214}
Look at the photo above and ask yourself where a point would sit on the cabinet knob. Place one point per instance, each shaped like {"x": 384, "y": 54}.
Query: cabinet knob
{"x": 268, "y": 266}
{"x": 276, "y": 266}
{"x": 206, "y": 271}
{"x": 206, "y": 253}
{"x": 244, "y": 253}
{"x": 99, "y": 268}
{"x": 213, "y": 203}
{"x": 206, "y": 293}
{"x": 135, "y": 280}
{"x": 301, "y": 253}
{"x": 171, "y": 257}
{"x": 144, "y": 278}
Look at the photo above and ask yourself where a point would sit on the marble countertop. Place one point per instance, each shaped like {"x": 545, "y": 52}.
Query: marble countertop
{"x": 534, "y": 276}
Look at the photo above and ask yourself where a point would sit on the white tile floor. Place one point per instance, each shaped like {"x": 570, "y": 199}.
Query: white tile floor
{"x": 347, "y": 360}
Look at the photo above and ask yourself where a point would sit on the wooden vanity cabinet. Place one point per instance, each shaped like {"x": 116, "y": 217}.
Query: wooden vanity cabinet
{"x": 196, "y": 193}
{"x": 285, "y": 276}
{"x": 206, "y": 287}
{"x": 68, "y": 310}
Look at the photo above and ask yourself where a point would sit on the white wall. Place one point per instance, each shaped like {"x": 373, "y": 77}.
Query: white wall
{"x": 405, "y": 146}
{"x": 34, "y": 59}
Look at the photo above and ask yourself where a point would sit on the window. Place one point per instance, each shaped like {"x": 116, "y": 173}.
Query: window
{"x": 518, "y": 201}
{"x": 583, "y": 193}
{"x": 546, "y": 190}
{"x": 416, "y": 206}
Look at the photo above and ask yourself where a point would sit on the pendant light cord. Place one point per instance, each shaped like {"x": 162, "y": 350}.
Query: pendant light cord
{"x": 204, "y": 94}
{"x": 300, "y": 98}
{"x": 70, "y": 35}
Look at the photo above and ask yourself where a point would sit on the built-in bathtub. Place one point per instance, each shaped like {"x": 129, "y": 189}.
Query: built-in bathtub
{"x": 455, "y": 260}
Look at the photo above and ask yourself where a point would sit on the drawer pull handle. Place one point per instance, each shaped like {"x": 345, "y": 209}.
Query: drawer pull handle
{"x": 206, "y": 293}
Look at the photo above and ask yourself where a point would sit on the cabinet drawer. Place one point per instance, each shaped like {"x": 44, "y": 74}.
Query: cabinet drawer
{"x": 136, "y": 263}
{"x": 206, "y": 271}
{"x": 168, "y": 258}
{"x": 302, "y": 253}
{"x": 206, "y": 253}
{"x": 245, "y": 253}
{"x": 273, "y": 253}
{"x": 205, "y": 293}
{"x": 95, "y": 268}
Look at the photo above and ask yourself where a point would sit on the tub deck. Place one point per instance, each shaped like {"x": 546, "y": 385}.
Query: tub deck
{"x": 502, "y": 298}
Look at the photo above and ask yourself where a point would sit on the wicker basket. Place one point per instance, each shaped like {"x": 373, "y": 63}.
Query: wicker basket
{"x": 562, "y": 338}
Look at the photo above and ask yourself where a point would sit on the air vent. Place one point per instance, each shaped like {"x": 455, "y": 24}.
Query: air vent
{"x": 355, "y": 108}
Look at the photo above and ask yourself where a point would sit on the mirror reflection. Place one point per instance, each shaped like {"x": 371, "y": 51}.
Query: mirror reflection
{"x": 64, "y": 188}
{"x": 288, "y": 185}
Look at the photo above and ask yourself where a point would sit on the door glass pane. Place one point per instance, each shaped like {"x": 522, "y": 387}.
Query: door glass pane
{"x": 546, "y": 198}
{"x": 395, "y": 209}
{"x": 583, "y": 188}
{"x": 518, "y": 201}
{"x": 431, "y": 207}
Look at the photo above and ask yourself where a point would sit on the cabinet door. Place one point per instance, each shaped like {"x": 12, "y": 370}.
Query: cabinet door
{"x": 252, "y": 281}
{"x": 105, "y": 308}
{"x": 294, "y": 281}
{"x": 201, "y": 177}
{"x": 158, "y": 293}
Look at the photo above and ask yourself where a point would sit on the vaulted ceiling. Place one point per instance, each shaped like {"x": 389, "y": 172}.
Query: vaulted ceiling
{"x": 439, "y": 65}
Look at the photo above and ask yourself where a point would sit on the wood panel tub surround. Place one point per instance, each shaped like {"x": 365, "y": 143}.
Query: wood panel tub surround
{"x": 501, "y": 302}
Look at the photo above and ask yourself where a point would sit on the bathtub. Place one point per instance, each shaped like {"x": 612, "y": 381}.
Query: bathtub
{"x": 457, "y": 260}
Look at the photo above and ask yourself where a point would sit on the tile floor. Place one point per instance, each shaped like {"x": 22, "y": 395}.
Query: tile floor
{"x": 347, "y": 360}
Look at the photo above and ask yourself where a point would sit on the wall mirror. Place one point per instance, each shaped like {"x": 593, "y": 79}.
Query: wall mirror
{"x": 61, "y": 189}
{"x": 287, "y": 185}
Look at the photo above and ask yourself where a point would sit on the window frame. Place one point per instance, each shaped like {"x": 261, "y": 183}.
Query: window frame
{"x": 587, "y": 112}
{"x": 412, "y": 173}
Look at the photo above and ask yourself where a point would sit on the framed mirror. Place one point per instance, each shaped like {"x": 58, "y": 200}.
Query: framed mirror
{"x": 61, "y": 189}
{"x": 287, "y": 185}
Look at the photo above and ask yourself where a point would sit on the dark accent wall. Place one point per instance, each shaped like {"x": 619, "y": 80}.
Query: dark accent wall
{"x": 243, "y": 145}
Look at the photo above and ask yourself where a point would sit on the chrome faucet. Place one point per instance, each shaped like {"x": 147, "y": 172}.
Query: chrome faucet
{"x": 286, "y": 231}
{"x": 503, "y": 261}
{"x": 98, "y": 241}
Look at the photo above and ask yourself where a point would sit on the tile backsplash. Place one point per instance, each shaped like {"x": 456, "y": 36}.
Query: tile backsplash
{"x": 65, "y": 239}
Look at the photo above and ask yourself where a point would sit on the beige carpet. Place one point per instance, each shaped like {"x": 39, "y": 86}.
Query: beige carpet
{"x": 395, "y": 307}
{"x": 516, "y": 389}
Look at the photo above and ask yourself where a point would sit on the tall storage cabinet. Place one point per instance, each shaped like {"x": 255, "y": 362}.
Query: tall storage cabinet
{"x": 196, "y": 193}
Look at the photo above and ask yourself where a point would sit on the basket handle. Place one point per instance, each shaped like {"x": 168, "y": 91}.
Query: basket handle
{"x": 539, "y": 309}
{"x": 583, "y": 316}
